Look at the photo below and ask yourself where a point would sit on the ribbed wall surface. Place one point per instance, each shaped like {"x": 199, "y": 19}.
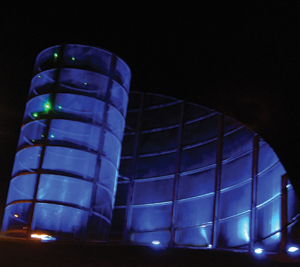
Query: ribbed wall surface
{"x": 190, "y": 176}
{"x": 66, "y": 165}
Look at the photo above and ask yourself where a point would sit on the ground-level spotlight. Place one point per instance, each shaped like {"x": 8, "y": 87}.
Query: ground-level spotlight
{"x": 258, "y": 250}
{"x": 43, "y": 237}
{"x": 209, "y": 246}
{"x": 155, "y": 242}
{"x": 292, "y": 249}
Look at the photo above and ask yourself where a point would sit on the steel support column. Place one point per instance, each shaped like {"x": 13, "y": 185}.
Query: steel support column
{"x": 177, "y": 171}
{"x": 218, "y": 180}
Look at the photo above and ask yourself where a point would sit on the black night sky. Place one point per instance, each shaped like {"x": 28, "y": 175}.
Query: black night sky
{"x": 238, "y": 58}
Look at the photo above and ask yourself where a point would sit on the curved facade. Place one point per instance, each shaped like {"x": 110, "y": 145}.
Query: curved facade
{"x": 190, "y": 176}
{"x": 65, "y": 170}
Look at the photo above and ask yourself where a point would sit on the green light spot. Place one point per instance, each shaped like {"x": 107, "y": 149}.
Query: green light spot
{"x": 85, "y": 83}
{"x": 39, "y": 155}
{"x": 60, "y": 107}
{"x": 43, "y": 135}
{"x": 33, "y": 140}
{"x": 47, "y": 106}
{"x": 39, "y": 76}
{"x": 52, "y": 136}
{"x": 35, "y": 115}
{"x": 73, "y": 58}
{"x": 55, "y": 55}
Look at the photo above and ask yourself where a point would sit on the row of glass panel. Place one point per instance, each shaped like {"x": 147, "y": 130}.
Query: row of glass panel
{"x": 75, "y": 107}
{"x": 54, "y": 218}
{"x": 80, "y": 82}
{"x": 85, "y": 58}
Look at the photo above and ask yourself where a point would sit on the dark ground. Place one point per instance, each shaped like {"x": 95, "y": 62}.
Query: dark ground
{"x": 18, "y": 253}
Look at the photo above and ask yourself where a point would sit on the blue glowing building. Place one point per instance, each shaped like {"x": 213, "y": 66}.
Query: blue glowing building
{"x": 192, "y": 177}
{"x": 66, "y": 165}
{"x": 187, "y": 176}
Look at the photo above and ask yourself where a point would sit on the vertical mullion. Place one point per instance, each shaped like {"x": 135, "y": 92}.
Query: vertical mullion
{"x": 45, "y": 140}
{"x": 127, "y": 218}
{"x": 177, "y": 171}
{"x": 103, "y": 128}
{"x": 254, "y": 191}
{"x": 218, "y": 180}
{"x": 284, "y": 213}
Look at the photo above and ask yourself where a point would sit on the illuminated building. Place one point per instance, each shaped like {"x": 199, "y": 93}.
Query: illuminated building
{"x": 188, "y": 176}
{"x": 65, "y": 169}
{"x": 192, "y": 177}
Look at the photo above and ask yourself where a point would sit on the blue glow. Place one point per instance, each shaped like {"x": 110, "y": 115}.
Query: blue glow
{"x": 78, "y": 164}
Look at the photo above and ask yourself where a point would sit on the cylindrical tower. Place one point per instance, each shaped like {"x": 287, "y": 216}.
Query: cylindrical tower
{"x": 65, "y": 170}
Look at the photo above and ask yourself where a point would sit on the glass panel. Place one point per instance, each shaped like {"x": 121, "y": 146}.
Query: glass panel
{"x": 269, "y": 183}
{"x": 235, "y": 200}
{"x": 153, "y": 191}
{"x": 65, "y": 132}
{"x": 195, "y": 211}
{"x": 27, "y": 160}
{"x": 83, "y": 82}
{"x": 151, "y": 217}
{"x": 86, "y": 57}
{"x": 60, "y": 219}
{"x": 16, "y": 217}
{"x": 234, "y": 231}
{"x": 271, "y": 243}
{"x": 21, "y": 188}
{"x": 266, "y": 157}
{"x": 125, "y": 169}
{"x": 37, "y": 107}
{"x": 107, "y": 174}
{"x": 70, "y": 160}
{"x": 47, "y": 59}
{"x": 201, "y": 131}
{"x": 42, "y": 83}
{"x": 98, "y": 228}
{"x": 64, "y": 189}
{"x": 237, "y": 142}
{"x": 117, "y": 223}
{"x": 268, "y": 218}
{"x": 153, "y": 166}
{"x": 199, "y": 156}
{"x": 236, "y": 170}
{"x": 128, "y": 144}
{"x": 196, "y": 184}
{"x": 32, "y": 133}
{"x": 115, "y": 122}
{"x": 81, "y": 107}
{"x": 104, "y": 202}
{"x": 122, "y": 74}
{"x": 121, "y": 196}
{"x": 230, "y": 124}
{"x": 112, "y": 148}
{"x": 194, "y": 236}
{"x": 119, "y": 98}
{"x": 158, "y": 141}
{"x": 161, "y": 116}
{"x": 147, "y": 238}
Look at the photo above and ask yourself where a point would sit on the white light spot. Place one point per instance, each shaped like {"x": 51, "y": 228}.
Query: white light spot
{"x": 258, "y": 250}
{"x": 155, "y": 242}
{"x": 292, "y": 249}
